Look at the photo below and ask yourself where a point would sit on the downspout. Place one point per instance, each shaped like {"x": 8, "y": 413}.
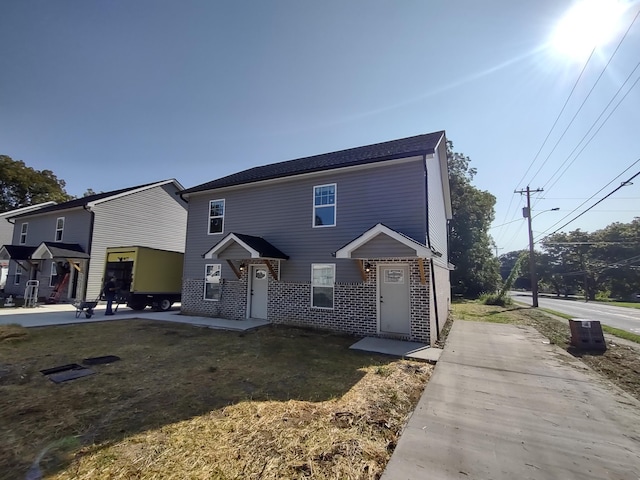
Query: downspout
{"x": 435, "y": 298}
{"x": 426, "y": 198}
{"x": 431, "y": 264}
{"x": 89, "y": 246}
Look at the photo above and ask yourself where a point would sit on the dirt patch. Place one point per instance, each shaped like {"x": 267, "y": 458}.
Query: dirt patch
{"x": 190, "y": 402}
{"x": 620, "y": 364}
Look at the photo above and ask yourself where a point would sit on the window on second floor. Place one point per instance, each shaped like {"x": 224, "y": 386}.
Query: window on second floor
{"x": 18, "y": 275}
{"x": 216, "y": 216}
{"x": 23, "y": 233}
{"x": 59, "y": 229}
{"x": 324, "y": 205}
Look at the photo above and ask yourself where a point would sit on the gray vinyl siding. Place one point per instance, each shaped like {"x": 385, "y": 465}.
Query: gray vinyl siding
{"x": 42, "y": 228}
{"x": 383, "y": 246}
{"x": 234, "y": 251}
{"x": 154, "y": 218}
{"x": 6, "y": 232}
{"x": 436, "y": 207}
{"x": 281, "y": 212}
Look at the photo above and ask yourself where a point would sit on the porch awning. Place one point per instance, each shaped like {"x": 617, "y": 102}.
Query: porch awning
{"x": 238, "y": 246}
{"x": 59, "y": 250}
{"x": 381, "y": 241}
{"x": 16, "y": 252}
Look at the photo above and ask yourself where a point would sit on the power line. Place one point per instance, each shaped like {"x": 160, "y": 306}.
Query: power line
{"x": 550, "y": 131}
{"x": 591, "y": 128}
{"x": 558, "y": 117}
{"x": 587, "y": 97}
{"x": 613, "y": 180}
{"x": 623, "y": 184}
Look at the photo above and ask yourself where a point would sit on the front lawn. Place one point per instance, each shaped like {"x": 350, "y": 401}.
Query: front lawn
{"x": 191, "y": 402}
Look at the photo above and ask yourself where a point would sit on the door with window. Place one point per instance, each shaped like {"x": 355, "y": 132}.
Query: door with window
{"x": 393, "y": 298}
{"x": 258, "y": 286}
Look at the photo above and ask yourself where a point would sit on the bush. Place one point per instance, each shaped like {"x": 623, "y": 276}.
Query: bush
{"x": 496, "y": 299}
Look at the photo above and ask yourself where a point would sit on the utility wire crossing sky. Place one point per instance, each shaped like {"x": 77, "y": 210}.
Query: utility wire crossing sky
{"x": 114, "y": 94}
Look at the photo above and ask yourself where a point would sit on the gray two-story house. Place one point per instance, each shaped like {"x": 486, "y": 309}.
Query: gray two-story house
{"x": 353, "y": 241}
{"x": 62, "y": 247}
{"x": 6, "y": 234}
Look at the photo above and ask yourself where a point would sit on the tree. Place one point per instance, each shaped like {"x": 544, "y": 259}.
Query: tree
{"x": 471, "y": 247}
{"x": 605, "y": 262}
{"x": 507, "y": 263}
{"x": 21, "y": 186}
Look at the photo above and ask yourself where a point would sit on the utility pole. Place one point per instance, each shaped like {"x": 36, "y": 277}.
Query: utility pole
{"x": 526, "y": 212}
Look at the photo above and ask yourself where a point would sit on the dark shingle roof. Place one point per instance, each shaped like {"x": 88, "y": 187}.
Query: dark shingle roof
{"x": 19, "y": 252}
{"x": 404, "y": 147}
{"x": 264, "y": 248}
{"x": 65, "y": 250}
{"x": 81, "y": 202}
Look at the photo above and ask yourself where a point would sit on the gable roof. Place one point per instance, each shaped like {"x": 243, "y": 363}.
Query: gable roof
{"x": 256, "y": 247}
{"x": 379, "y": 152}
{"x": 21, "y": 210}
{"x": 16, "y": 252}
{"x": 94, "y": 199}
{"x": 59, "y": 250}
{"x": 420, "y": 250}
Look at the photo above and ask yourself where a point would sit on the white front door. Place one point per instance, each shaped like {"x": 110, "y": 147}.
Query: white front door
{"x": 258, "y": 283}
{"x": 394, "y": 305}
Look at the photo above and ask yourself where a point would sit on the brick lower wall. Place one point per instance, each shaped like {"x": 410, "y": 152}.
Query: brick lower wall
{"x": 355, "y": 304}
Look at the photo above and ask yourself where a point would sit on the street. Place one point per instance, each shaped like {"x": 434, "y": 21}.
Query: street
{"x": 618, "y": 317}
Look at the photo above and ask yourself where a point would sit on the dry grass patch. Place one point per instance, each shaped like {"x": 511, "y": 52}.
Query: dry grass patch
{"x": 13, "y": 333}
{"x": 188, "y": 402}
{"x": 620, "y": 363}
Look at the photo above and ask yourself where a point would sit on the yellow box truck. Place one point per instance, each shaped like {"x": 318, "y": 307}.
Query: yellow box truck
{"x": 145, "y": 276}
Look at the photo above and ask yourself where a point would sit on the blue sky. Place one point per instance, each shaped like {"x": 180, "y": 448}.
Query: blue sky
{"x": 119, "y": 93}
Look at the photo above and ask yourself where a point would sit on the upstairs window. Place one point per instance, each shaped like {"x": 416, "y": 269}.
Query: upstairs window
{"x": 216, "y": 216}
{"x": 59, "y": 229}
{"x": 23, "y": 233}
{"x": 323, "y": 278}
{"x": 324, "y": 205}
{"x": 18, "y": 276}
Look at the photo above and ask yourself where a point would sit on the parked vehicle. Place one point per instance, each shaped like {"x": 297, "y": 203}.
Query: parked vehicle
{"x": 145, "y": 276}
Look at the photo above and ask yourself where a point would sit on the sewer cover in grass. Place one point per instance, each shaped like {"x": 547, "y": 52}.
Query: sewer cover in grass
{"x": 70, "y": 375}
{"x": 63, "y": 373}
{"x": 100, "y": 360}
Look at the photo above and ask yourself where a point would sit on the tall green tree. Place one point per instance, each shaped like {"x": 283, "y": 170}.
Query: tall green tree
{"x": 605, "y": 262}
{"x": 21, "y": 186}
{"x": 471, "y": 247}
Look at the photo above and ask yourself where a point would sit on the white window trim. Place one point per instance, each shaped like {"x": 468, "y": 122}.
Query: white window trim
{"x": 61, "y": 230}
{"x": 333, "y": 286}
{"x": 18, "y": 275}
{"x": 209, "y": 217}
{"x": 54, "y": 273}
{"x": 204, "y": 291}
{"x": 334, "y": 205}
{"x": 24, "y": 228}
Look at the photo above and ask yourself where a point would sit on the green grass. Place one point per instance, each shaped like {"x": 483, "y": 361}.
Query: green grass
{"x": 557, "y": 314}
{"x": 621, "y": 333}
{"x": 624, "y": 304}
{"x": 605, "y": 328}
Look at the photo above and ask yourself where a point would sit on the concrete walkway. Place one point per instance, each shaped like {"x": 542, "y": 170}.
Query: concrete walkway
{"x": 504, "y": 404}
{"x": 64, "y": 314}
